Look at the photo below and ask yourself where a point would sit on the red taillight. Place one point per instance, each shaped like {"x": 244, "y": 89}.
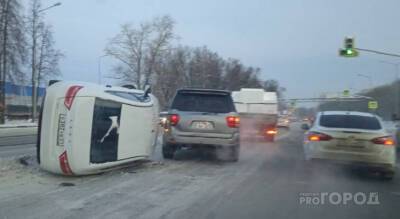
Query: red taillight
{"x": 387, "y": 140}
{"x": 271, "y": 132}
{"x": 233, "y": 121}
{"x": 174, "y": 119}
{"x": 317, "y": 136}
{"x": 70, "y": 96}
{"x": 65, "y": 168}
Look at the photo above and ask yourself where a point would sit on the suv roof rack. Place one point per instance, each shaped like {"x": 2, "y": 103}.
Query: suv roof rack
{"x": 204, "y": 91}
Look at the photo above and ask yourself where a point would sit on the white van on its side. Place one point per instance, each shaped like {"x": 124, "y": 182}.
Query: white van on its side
{"x": 86, "y": 128}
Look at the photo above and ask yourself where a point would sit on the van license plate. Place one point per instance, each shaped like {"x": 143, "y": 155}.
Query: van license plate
{"x": 61, "y": 129}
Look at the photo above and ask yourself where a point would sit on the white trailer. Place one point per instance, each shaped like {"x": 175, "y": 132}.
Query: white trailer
{"x": 258, "y": 110}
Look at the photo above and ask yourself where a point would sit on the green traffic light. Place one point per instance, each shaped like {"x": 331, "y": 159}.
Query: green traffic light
{"x": 349, "y": 52}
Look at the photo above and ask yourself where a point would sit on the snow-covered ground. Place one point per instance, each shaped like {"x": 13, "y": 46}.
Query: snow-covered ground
{"x": 146, "y": 189}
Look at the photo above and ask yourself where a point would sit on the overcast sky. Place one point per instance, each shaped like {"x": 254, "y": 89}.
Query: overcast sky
{"x": 293, "y": 41}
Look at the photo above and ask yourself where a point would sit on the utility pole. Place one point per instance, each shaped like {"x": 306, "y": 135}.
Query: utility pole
{"x": 34, "y": 66}
{"x": 367, "y": 77}
{"x": 3, "y": 70}
{"x": 99, "y": 73}
{"x": 397, "y": 86}
{"x": 350, "y": 50}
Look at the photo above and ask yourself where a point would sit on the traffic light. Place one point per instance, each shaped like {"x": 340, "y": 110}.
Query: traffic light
{"x": 349, "y": 48}
{"x": 349, "y": 43}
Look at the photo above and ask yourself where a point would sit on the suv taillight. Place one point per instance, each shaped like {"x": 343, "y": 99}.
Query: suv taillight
{"x": 317, "y": 136}
{"x": 174, "y": 119}
{"x": 70, "y": 96}
{"x": 386, "y": 140}
{"x": 233, "y": 121}
{"x": 271, "y": 131}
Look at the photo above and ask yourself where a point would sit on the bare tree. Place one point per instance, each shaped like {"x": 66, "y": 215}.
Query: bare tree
{"x": 44, "y": 58}
{"x": 13, "y": 44}
{"x": 138, "y": 49}
{"x": 48, "y": 57}
{"x": 205, "y": 69}
{"x": 171, "y": 71}
{"x": 237, "y": 76}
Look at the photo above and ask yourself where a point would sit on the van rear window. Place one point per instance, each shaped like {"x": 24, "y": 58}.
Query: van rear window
{"x": 350, "y": 121}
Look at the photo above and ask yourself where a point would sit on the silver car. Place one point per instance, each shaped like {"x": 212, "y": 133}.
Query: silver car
{"x": 352, "y": 137}
{"x": 202, "y": 118}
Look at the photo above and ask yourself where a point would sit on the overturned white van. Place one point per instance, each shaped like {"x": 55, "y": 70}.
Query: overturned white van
{"x": 86, "y": 128}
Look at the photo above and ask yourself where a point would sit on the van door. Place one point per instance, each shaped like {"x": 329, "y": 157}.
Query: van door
{"x": 137, "y": 130}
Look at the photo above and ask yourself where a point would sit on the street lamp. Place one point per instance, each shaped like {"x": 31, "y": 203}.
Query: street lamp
{"x": 396, "y": 84}
{"x": 367, "y": 77}
{"x": 51, "y": 6}
{"x": 34, "y": 44}
{"x": 99, "y": 74}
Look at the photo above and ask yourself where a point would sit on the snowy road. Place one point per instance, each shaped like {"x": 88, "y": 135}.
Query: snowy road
{"x": 266, "y": 182}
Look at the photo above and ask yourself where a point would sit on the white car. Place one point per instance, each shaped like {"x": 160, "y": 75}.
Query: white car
{"x": 352, "y": 137}
{"x": 87, "y": 128}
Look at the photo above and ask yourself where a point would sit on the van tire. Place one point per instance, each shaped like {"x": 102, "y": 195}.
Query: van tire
{"x": 168, "y": 151}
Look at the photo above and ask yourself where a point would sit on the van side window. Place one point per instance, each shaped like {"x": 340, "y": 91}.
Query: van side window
{"x": 105, "y": 127}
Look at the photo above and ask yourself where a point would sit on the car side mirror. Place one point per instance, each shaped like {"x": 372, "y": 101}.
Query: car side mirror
{"x": 147, "y": 91}
{"x": 129, "y": 86}
{"x": 305, "y": 127}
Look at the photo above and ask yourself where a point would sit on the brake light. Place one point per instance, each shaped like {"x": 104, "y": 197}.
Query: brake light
{"x": 271, "y": 132}
{"x": 174, "y": 119}
{"x": 65, "y": 168}
{"x": 233, "y": 121}
{"x": 389, "y": 141}
{"x": 70, "y": 96}
{"x": 317, "y": 136}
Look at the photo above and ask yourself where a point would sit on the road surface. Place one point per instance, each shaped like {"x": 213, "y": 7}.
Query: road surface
{"x": 267, "y": 182}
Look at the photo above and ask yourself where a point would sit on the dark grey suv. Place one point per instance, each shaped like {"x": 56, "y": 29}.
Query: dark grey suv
{"x": 203, "y": 118}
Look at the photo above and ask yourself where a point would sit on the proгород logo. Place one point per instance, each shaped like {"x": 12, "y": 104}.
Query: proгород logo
{"x": 336, "y": 198}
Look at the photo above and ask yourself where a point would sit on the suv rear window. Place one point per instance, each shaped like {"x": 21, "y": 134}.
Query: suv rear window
{"x": 350, "y": 121}
{"x": 210, "y": 103}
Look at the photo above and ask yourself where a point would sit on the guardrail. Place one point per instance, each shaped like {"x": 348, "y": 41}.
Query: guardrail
{"x": 17, "y": 130}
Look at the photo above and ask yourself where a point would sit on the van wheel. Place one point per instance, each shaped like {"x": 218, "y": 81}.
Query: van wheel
{"x": 168, "y": 151}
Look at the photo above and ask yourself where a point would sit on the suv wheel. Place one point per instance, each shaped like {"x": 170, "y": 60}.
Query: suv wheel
{"x": 387, "y": 175}
{"x": 235, "y": 151}
{"x": 230, "y": 154}
{"x": 270, "y": 138}
{"x": 168, "y": 151}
